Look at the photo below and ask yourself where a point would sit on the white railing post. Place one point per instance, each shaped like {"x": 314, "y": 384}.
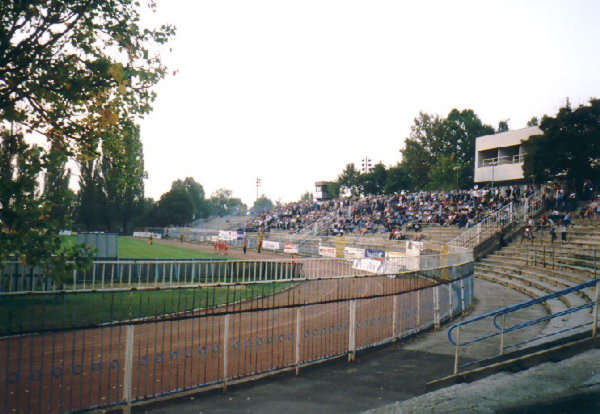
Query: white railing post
{"x": 436, "y": 307}
{"x": 456, "y": 350}
{"x": 298, "y": 329}
{"x": 418, "y": 310}
{"x": 225, "y": 351}
{"x": 352, "y": 331}
{"x": 128, "y": 369}
{"x": 394, "y": 312}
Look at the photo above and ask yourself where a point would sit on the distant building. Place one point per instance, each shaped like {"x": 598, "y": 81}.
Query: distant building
{"x": 322, "y": 190}
{"x": 499, "y": 157}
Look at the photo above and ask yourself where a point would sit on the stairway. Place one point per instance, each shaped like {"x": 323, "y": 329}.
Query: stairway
{"x": 539, "y": 267}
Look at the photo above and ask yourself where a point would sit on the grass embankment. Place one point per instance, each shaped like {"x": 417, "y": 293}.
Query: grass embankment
{"x": 30, "y": 313}
{"x": 137, "y": 248}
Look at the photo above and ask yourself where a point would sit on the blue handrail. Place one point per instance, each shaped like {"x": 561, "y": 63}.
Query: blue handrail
{"x": 502, "y": 311}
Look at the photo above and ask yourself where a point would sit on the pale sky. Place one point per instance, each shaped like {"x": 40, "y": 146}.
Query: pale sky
{"x": 290, "y": 92}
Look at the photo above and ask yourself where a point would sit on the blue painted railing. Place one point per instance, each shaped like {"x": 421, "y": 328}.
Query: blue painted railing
{"x": 500, "y": 330}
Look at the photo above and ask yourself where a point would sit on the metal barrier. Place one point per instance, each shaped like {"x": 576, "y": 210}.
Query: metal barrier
{"x": 514, "y": 212}
{"x": 119, "y": 346}
{"x": 15, "y": 277}
{"x": 500, "y": 329}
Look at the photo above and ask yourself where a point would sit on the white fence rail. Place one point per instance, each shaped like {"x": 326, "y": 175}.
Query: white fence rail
{"x": 15, "y": 277}
{"x": 514, "y": 212}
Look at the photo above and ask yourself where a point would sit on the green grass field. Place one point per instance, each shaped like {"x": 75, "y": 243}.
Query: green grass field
{"x": 30, "y": 313}
{"x": 135, "y": 248}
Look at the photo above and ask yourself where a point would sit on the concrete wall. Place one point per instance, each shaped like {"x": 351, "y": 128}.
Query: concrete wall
{"x": 505, "y": 172}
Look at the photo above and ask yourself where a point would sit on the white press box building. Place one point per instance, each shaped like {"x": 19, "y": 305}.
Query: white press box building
{"x": 499, "y": 157}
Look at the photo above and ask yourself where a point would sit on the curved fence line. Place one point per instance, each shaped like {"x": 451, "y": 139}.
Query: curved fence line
{"x": 118, "y": 364}
{"x": 107, "y": 274}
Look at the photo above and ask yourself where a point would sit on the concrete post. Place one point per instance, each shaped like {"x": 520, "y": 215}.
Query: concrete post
{"x": 352, "y": 331}
{"x": 456, "y": 350}
{"x": 225, "y": 351}
{"x": 298, "y": 326}
{"x": 128, "y": 369}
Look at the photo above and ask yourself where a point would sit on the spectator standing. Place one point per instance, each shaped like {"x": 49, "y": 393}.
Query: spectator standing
{"x": 563, "y": 231}
{"x": 552, "y": 230}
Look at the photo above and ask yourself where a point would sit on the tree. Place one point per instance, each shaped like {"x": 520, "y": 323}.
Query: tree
{"x": 461, "y": 128}
{"x": 421, "y": 148}
{"x": 196, "y": 192}
{"x": 90, "y": 198}
{"x": 70, "y": 69}
{"x": 175, "y": 207}
{"x": 374, "y": 181}
{"x": 222, "y": 203}
{"x": 122, "y": 170}
{"x": 29, "y": 220}
{"x": 502, "y": 126}
{"x": 444, "y": 174}
{"x": 349, "y": 180}
{"x": 58, "y": 195}
{"x": 307, "y": 197}
{"x": 333, "y": 189}
{"x": 262, "y": 205}
{"x": 570, "y": 146}
{"x": 533, "y": 122}
{"x": 75, "y": 72}
{"x": 397, "y": 179}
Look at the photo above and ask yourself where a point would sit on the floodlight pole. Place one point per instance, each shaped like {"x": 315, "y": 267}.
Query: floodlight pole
{"x": 257, "y": 186}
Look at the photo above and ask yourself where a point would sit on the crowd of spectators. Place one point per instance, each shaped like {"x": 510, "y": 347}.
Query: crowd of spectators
{"x": 390, "y": 213}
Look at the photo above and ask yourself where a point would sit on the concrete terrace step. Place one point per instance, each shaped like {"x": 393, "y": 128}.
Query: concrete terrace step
{"x": 581, "y": 275}
{"x": 584, "y": 269}
{"x": 554, "y": 283}
{"x": 543, "y": 286}
{"x": 552, "y": 305}
{"x": 585, "y": 265}
{"x": 515, "y": 264}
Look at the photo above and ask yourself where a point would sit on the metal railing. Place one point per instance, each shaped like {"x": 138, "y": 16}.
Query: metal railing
{"x": 500, "y": 329}
{"x": 506, "y": 159}
{"x": 108, "y": 274}
{"x": 513, "y": 212}
{"x": 122, "y": 346}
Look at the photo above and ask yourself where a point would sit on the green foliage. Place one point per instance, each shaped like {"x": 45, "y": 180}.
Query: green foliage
{"x": 262, "y": 205}
{"x": 29, "y": 217}
{"x": 502, "y": 126}
{"x": 333, "y": 188}
{"x": 533, "y": 122}
{"x": 222, "y": 203}
{"x": 307, "y": 197}
{"x": 432, "y": 136}
{"x": 71, "y": 69}
{"x": 175, "y": 207}
{"x": 374, "y": 181}
{"x": 79, "y": 73}
{"x": 444, "y": 174}
{"x": 349, "y": 180}
{"x": 570, "y": 146}
{"x": 397, "y": 179}
{"x": 196, "y": 192}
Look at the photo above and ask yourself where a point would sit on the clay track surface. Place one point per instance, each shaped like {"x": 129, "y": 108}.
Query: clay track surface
{"x": 84, "y": 368}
